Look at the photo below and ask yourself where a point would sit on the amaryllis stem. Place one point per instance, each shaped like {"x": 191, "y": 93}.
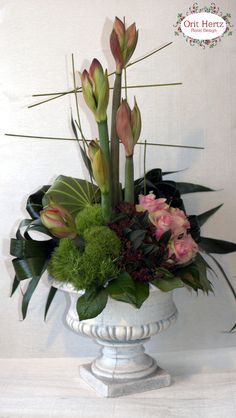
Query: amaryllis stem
{"x": 106, "y": 206}
{"x": 115, "y": 149}
{"x": 104, "y": 144}
{"x": 129, "y": 180}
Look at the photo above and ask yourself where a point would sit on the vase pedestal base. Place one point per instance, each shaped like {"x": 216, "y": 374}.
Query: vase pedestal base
{"x": 111, "y": 388}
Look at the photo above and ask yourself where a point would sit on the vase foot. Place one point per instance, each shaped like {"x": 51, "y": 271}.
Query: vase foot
{"x": 113, "y": 388}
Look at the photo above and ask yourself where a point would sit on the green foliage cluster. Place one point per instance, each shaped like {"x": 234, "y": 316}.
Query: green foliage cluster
{"x": 88, "y": 217}
{"x": 95, "y": 265}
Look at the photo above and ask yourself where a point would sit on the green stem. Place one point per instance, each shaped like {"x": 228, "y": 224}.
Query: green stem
{"x": 106, "y": 206}
{"x": 104, "y": 144}
{"x": 88, "y": 140}
{"x": 79, "y": 90}
{"x": 129, "y": 180}
{"x": 115, "y": 147}
{"x": 128, "y": 65}
{"x": 144, "y": 168}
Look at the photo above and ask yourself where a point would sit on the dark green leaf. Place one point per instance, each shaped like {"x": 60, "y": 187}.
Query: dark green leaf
{"x": 166, "y": 173}
{"x": 168, "y": 284}
{"x": 86, "y": 160}
{"x": 149, "y": 248}
{"x": 28, "y": 294}
{"x": 30, "y": 249}
{"x": 206, "y": 215}
{"x": 14, "y": 285}
{"x": 51, "y": 294}
{"x": 137, "y": 234}
{"x": 154, "y": 175}
{"x": 71, "y": 193}
{"x": 23, "y": 225}
{"x": 202, "y": 266}
{"x": 136, "y": 237}
{"x": 92, "y": 303}
{"x": 233, "y": 328}
{"x": 190, "y": 276}
{"x": 123, "y": 289}
{"x": 37, "y": 225}
{"x": 164, "y": 238}
{"x": 164, "y": 273}
{"x": 141, "y": 293}
{"x": 34, "y": 202}
{"x": 29, "y": 267}
{"x": 224, "y": 275}
{"x": 185, "y": 188}
{"x": 217, "y": 246}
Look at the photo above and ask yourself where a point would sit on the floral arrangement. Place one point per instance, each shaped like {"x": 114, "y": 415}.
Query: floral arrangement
{"x": 105, "y": 239}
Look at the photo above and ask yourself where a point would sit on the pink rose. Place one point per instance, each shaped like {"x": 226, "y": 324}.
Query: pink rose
{"x": 184, "y": 249}
{"x": 150, "y": 203}
{"x": 180, "y": 223}
{"x": 172, "y": 219}
{"x": 162, "y": 220}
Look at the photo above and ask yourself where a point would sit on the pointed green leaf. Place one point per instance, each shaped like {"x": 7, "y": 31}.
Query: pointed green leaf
{"x": 217, "y": 246}
{"x": 190, "y": 276}
{"x": 86, "y": 159}
{"x": 29, "y": 267}
{"x": 233, "y": 328}
{"x": 154, "y": 175}
{"x": 92, "y": 303}
{"x": 51, "y": 294}
{"x": 28, "y": 294}
{"x": 34, "y": 202}
{"x": 206, "y": 215}
{"x": 123, "y": 289}
{"x": 14, "y": 285}
{"x": 185, "y": 188}
{"x": 166, "y": 173}
{"x": 202, "y": 266}
{"x": 224, "y": 275}
{"x": 141, "y": 293}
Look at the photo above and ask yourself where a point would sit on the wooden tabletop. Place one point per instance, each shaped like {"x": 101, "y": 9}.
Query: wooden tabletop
{"x": 203, "y": 385}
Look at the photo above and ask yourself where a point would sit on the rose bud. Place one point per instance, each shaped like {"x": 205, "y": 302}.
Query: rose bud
{"x": 128, "y": 126}
{"x": 150, "y": 203}
{"x": 95, "y": 88}
{"x": 99, "y": 167}
{"x": 123, "y": 43}
{"x": 59, "y": 221}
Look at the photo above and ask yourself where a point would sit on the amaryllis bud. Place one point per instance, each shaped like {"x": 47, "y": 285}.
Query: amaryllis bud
{"x": 136, "y": 122}
{"x": 95, "y": 88}
{"x": 99, "y": 167}
{"x": 128, "y": 126}
{"x": 59, "y": 221}
{"x": 123, "y": 43}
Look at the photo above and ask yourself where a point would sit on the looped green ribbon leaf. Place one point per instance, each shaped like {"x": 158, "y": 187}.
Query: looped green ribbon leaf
{"x": 34, "y": 202}
{"x": 32, "y": 256}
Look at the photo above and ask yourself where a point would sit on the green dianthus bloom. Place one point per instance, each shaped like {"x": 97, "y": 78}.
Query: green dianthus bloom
{"x": 88, "y": 217}
{"x": 93, "y": 266}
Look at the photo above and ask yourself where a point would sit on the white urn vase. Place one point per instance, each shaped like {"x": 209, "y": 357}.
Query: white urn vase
{"x": 123, "y": 367}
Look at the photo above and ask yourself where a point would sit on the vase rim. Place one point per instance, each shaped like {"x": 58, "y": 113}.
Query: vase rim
{"x": 68, "y": 287}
